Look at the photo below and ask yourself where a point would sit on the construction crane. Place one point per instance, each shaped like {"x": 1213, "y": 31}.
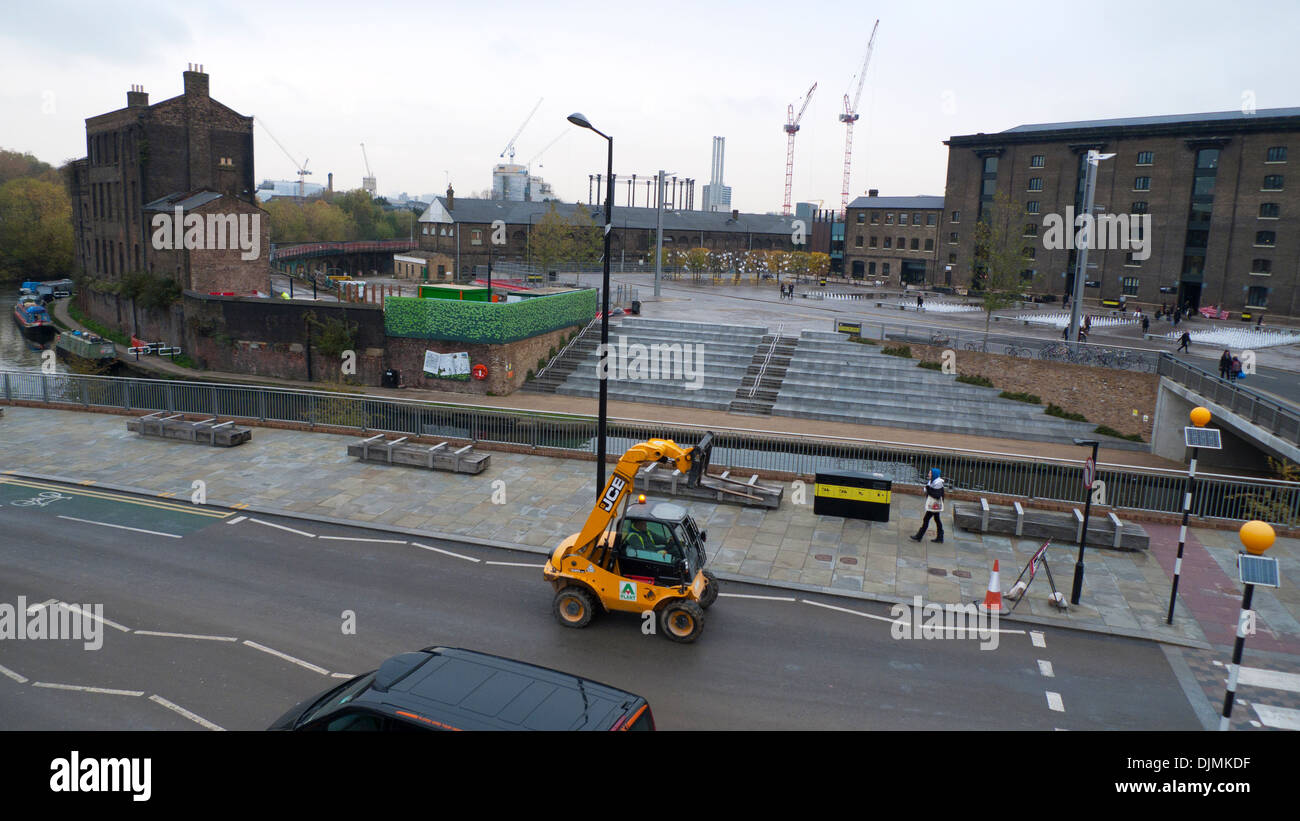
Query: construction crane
{"x": 368, "y": 181}
{"x": 510, "y": 146}
{"x": 850, "y": 116}
{"x": 792, "y": 128}
{"x": 539, "y": 154}
{"x": 303, "y": 173}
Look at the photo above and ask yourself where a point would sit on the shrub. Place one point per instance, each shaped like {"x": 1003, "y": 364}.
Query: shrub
{"x": 975, "y": 379}
{"x": 1031, "y": 398}
{"x": 1108, "y": 431}
{"x": 903, "y": 351}
{"x": 1053, "y": 410}
{"x": 930, "y": 366}
{"x": 864, "y": 341}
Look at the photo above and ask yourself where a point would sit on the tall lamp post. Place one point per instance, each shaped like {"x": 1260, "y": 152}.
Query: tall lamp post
{"x": 1093, "y": 159}
{"x": 603, "y": 368}
{"x": 1090, "y": 473}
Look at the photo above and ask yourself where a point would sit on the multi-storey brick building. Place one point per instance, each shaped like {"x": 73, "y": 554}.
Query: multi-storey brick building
{"x": 893, "y": 239}
{"x": 1224, "y": 217}
{"x": 182, "y": 149}
{"x": 462, "y": 229}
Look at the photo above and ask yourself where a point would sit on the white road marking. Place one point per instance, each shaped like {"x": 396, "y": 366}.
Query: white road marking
{"x": 287, "y": 657}
{"x": 32, "y": 608}
{"x": 445, "y": 552}
{"x": 120, "y": 527}
{"x": 1037, "y": 638}
{"x": 104, "y": 690}
{"x": 282, "y": 527}
{"x": 1255, "y": 723}
{"x": 1282, "y": 718}
{"x": 971, "y": 629}
{"x": 184, "y": 636}
{"x": 157, "y": 699}
{"x": 1257, "y": 677}
{"x": 358, "y": 539}
{"x": 11, "y": 674}
{"x": 84, "y": 614}
{"x": 236, "y": 520}
{"x": 1045, "y": 667}
{"x": 341, "y": 675}
{"x": 1054, "y": 701}
{"x": 515, "y": 564}
{"x": 748, "y": 596}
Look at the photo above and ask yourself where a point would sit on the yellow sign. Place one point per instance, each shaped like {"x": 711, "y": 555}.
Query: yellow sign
{"x": 854, "y": 328}
{"x": 857, "y": 494}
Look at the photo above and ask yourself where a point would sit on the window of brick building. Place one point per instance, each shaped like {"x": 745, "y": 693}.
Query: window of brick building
{"x": 889, "y": 242}
{"x": 1268, "y": 238}
{"x": 862, "y": 217}
{"x": 916, "y": 219}
{"x": 1037, "y": 161}
{"x": 1031, "y": 229}
{"x": 1035, "y": 183}
{"x": 1130, "y": 286}
{"x": 916, "y": 244}
{"x": 929, "y": 219}
{"x": 875, "y": 217}
{"x": 884, "y": 269}
{"x": 954, "y": 238}
{"x": 475, "y": 236}
{"x": 1141, "y": 183}
{"x": 1146, "y": 157}
{"x": 902, "y": 219}
{"x": 1139, "y": 207}
{"x": 1273, "y": 182}
{"x": 1257, "y": 296}
{"x": 1031, "y": 207}
{"x": 929, "y": 243}
{"x": 956, "y": 216}
{"x": 1261, "y": 266}
{"x": 1269, "y": 210}
{"x": 1276, "y": 154}
{"x": 889, "y": 219}
{"x": 873, "y": 242}
{"x": 902, "y": 243}
{"x": 1131, "y": 261}
{"x": 857, "y": 242}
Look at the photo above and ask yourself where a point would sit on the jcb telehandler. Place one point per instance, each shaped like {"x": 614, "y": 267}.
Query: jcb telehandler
{"x": 641, "y": 557}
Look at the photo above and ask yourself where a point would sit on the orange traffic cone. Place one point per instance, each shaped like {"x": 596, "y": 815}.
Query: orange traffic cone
{"x": 993, "y": 598}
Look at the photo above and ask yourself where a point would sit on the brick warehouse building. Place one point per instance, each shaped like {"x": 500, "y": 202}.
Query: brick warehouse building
{"x": 1224, "y": 211}
{"x": 893, "y": 239}
{"x": 184, "y": 149}
{"x": 462, "y": 228}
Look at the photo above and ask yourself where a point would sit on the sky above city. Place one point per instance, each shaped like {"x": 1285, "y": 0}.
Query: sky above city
{"x": 436, "y": 90}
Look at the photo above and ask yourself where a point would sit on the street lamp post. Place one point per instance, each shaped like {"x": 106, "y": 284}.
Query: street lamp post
{"x": 603, "y": 367}
{"x": 1090, "y": 474}
{"x": 1094, "y": 159}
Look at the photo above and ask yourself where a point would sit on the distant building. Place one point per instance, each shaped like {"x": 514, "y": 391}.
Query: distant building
{"x": 717, "y": 195}
{"x": 513, "y": 183}
{"x": 893, "y": 239}
{"x": 276, "y": 189}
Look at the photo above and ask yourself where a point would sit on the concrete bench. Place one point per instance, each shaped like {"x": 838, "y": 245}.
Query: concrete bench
{"x": 204, "y": 432}
{"x": 442, "y": 456}
{"x": 722, "y": 489}
{"x": 1063, "y": 528}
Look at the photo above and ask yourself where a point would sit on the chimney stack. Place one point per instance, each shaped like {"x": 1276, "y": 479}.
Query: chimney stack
{"x": 874, "y": 192}
{"x": 137, "y": 97}
{"x": 735, "y": 215}
{"x": 196, "y": 82}
{"x": 451, "y": 198}
{"x": 330, "y": 179}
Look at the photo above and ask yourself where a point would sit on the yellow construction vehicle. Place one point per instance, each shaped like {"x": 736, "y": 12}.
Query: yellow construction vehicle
{"x": 638, "y": 558}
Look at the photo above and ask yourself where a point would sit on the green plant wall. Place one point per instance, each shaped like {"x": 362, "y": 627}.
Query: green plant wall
{"x": 486, "y": 322}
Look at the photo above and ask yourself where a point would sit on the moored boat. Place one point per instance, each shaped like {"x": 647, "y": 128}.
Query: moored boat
{"x": 86, "y": 349}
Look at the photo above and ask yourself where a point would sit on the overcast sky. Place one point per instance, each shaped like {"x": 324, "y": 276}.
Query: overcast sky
{"x": 437, "y": 89}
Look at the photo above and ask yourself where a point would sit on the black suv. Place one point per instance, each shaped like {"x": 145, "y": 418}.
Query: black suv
{"x": 445, "y": 688}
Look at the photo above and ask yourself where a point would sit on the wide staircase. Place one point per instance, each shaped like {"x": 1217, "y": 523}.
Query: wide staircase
{"x": 758, "y": 390}
{"x": 836, "y": 380}
{"x": 566, "y": 361}
{"x": 724, "y": 355}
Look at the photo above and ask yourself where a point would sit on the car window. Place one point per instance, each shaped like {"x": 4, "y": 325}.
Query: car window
{"x": 337, "y": 698}
{"x": 356, "y": 721}
{"x": 655, "y": 543}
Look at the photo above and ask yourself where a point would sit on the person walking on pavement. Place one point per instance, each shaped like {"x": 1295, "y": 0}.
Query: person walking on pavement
{"x": 1184, "y": 341}
{"x": 920, "y": 302}
{"x": 1225, "y": 364}
{"x": 933, "y": 507}
{"x": 1234, "y": 369}
{"x": 1146, "y": 323}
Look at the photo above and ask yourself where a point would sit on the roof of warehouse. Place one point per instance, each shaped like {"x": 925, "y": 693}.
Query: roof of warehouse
{"x": 524, "y": 213}
{"x": 904, "y": 203}
{"x": 1164, "y": 119}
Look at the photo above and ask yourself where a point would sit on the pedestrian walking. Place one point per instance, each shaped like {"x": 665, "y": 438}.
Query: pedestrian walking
{"x": 1234, "y": 370}
{"x": 1146, "y": 323}
{"x": 1184, "y": 341}
{"x": 933, "y": 507}
{"x": 920, "y": 302}
{"x": 1259, "y": 320}
{"x": 1178, "y": 315}
{"x": 1225, "y": 364}
{"x": 1065, "y": 334}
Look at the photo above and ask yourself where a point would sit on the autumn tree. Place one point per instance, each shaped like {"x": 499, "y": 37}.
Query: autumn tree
{"x": 35, "y": 229}
{"x": 550, "y": 238}
{"x": 586, "y": 238}
{"x": 1000, "y": 256}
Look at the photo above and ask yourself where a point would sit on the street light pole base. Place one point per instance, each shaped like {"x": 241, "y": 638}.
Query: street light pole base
{"x": 1077, "y": 590}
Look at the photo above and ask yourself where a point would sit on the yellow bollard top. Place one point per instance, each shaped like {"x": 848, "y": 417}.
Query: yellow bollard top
{"x": 1257, "y": 537}
{"x": 1200, "y": 417}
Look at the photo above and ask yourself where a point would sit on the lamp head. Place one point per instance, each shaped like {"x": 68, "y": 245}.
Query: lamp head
{"x": 580, "y": 120}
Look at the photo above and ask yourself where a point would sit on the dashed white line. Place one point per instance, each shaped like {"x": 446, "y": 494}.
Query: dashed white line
{"x": 103, "y": 690}
{"x": 358, "y": 539}
{"x": 1054, "y": 701}
{"x": 288, "y": 658}
{"x": 282, "y": 527}
{"x": 32, "y": 608}
{"x": 1282, "y": 718}
{"x": 176, "y": 708}
{"x": 515, "y": 564}
{"x": 11, "y": 674}
{"x": 846, "y": 610}
{"x": 183, "y": 635}
{"x": 945, "y": 629}
{"x": 120, "y": 527}
{"x": 1045, "y": 667}
{"x": 445, "y": 552}
{"x": 236, "y": 520}
{"x": 1037, "y": 638}
{"x": 765, "y": 598}
{"x": 86, "y": 615}
{"x": 1272, "y": 679}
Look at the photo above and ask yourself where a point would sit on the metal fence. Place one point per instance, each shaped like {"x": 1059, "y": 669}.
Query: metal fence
{"x": 1283, "y": 421}
{"x": 1150, "y": 489}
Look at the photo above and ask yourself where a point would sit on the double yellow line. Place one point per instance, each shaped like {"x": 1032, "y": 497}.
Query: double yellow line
{"x": 174, "y": 507}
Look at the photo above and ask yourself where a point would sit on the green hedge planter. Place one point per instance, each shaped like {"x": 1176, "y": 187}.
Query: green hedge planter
{"x": 491, "y": 323}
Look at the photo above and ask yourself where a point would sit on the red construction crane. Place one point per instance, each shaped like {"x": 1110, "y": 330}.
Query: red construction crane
{"x": 792, "y": 128}
{"x": 850, "y": 116}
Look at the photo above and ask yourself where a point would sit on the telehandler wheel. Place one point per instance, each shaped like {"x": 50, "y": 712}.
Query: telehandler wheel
{"x": 573, "y": 606}
{"x": 710, "y": 594}
{"x": 682, "y": 620}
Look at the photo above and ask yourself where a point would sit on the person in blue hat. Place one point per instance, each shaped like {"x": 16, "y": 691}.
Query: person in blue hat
{"x": 933, "y": 507}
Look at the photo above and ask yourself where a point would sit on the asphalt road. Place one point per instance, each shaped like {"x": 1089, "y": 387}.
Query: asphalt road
{"x": 222, "y": 619}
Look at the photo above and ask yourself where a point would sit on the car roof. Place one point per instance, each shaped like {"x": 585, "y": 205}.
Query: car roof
{"x": 452, "y": 688}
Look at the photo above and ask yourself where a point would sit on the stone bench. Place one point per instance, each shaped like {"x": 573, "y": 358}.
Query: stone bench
{"x": 442, "y": 456}
{"x": 1104, "y": 529}
{"x": 175, "y": 427}
{"x": 722, "y": 489}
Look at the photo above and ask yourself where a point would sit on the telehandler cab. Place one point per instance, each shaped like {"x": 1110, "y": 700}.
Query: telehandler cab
{"x": 638, "y": 558}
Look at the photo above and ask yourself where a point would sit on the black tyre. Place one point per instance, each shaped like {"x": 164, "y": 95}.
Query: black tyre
{"x": 681, "y": 620}
{"x": 710, "y": 594}
{"x": 573, "y": 606}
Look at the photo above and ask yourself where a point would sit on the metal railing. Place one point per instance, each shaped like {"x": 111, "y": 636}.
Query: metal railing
{"x": 758, "y": 378}
{"x": 1149, "y": 489}
{"x": 580, "y": 335}
{"x": 1281, "y": 420}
